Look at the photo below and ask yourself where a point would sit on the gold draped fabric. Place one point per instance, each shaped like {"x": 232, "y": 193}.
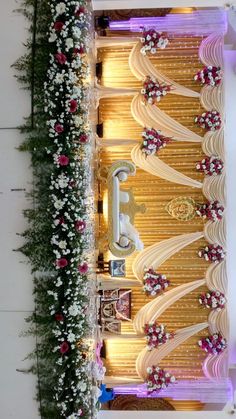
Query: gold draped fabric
{"x": 180, "y": 62}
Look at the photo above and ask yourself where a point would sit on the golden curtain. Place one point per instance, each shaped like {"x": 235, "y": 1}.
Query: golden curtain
{"x": 180, "y": 62}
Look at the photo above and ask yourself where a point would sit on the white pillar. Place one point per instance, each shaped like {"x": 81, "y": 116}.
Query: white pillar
{"x": 140, "y": 4}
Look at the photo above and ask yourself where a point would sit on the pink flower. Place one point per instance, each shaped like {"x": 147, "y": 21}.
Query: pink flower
{"x": 61, "y": 220}
{"x": 61, "y": 263}
{"x": 59, "y": 317}
{"x": 83, "y": 268}
{"x": 64, "y": 347}
{"x": 58, "y": 128}
{"x": 63, "y": 160}
{"x": 80, "y": 226}
{"x": 83, "y": 138}
{"x": 60, "y": 58}
{"x": 58, "y": 25}
{"x": 73, "y": 105}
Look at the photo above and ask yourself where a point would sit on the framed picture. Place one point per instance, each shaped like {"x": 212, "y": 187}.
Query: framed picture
{"x": 123, "y": 305}
{"x": 117, "y": 267}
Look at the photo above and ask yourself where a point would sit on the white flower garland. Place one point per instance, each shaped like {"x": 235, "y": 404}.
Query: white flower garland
{"x": 68, "y": 125}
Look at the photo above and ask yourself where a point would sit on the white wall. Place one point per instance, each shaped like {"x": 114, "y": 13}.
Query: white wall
{"x": 17, "y": 395}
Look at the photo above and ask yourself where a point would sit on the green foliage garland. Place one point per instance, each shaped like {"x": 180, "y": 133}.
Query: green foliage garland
{"x": 58, "y": 239}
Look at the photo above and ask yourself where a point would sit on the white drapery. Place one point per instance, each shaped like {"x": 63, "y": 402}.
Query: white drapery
{"x": 152, "y": 310}
{"x": 148, "y": 358}
{"x": 151, "y": 116}
{"x": 215, "y": 232}
{"x": 213, "y": 143}
{"x": 152, "y": 164}
{"x": 215, "y": 367}
{"x": 153, "y": 256}
{"x": 216, "y": 277}
{"x": 213, "y": 98}
{"x": 211, "y": 49}
{"x": 219, "y": 322}
{"x": 214, "y": 188}
{"x": 141, "y": 67}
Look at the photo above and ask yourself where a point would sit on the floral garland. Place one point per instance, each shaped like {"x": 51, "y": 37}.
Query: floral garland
{"x": 211, "y": 210}
{"x": 210, "y": 120}
{"x": 209, "y": 75}
{"x": 152, "y": 90}
{"x": 212, "y": 253}
{"x": 60, "y": 234}
{"x": 211, "y": 166}
{"x": 154, "y": 282}
{"x": 158, "y": 379}
{"x": 156, "y": 335}
{"x": 153, "y": 40}
{"x": 212, "y": 299}
{"x": 213, "y": 344}
{"x": 153, "y": 141}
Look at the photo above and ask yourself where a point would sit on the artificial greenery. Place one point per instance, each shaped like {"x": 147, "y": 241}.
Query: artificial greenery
{"x": 61, "y": 173}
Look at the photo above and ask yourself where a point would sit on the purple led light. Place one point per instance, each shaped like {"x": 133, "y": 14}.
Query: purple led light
{"x": 200, "y": 22}
{"x": 205, "y": 390}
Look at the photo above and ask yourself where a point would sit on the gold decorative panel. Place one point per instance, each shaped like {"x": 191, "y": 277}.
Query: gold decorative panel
{"x": 180, "y": 62}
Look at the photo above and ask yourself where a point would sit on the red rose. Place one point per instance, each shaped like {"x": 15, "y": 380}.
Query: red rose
{"x": 59, "y": 317}
{"x": 83, "y": 268}
{"x": 58, "y": 128}
{"x": 63, "y": 160}
{"x": 79, "y": 11}
{"x": 83, "y": 138}
{"x": 64, "y": 347}
{"x": 61, "y": 220}
{"x": 60, "y": 58}
{"x": 80, "y": 226}
{"x": 58, "y": 25}
{"x": 80, "y": 50}
{"x": 61, "y": 263}
{"x": 73, "y": 105}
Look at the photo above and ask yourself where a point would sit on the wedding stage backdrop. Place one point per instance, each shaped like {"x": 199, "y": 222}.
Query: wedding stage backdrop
{"x": 174, "y": 172}
{"x": 155, "y": 184}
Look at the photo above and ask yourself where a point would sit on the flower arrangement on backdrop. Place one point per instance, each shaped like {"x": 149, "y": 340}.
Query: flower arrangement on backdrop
{"x": 60, "y": 233}
{"x": 153, "y": 91}
{"x": 158, "y": 379}
{"x": 213, "y": 211}
{"x": 153, "y": 141}
{"x": 213, "y": 344}
{"x": 210, "y": 120}
{"x": 212, "y": 299}
{"x": 212, "y": 253}
{"x": 154, "y": 283}
{"x": 209, "y": 75}
{"x": 184, "y": 208}
{"x": 156, "y": 335}
{"x": 210, "y": 166}
{"x": 153, "y": 40}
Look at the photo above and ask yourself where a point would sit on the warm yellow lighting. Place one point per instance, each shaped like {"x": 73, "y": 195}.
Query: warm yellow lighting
{"x": 105, "y": 206}
{"x": 180, "y": 61}
{"x": 182, "y": 10}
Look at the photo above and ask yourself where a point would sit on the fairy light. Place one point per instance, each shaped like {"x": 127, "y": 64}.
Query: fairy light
{"x": 185, "y": 266}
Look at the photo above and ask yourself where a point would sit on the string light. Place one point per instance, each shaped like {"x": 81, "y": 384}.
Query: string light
{"x": 185, "y": 266}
